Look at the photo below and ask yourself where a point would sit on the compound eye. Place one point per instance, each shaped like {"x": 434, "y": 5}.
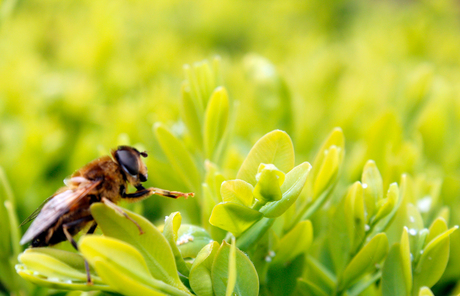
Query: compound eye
{"x": 128, "y": 161}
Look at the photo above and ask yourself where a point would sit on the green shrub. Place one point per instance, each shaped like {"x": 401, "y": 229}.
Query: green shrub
{"x": 274, "y": 228}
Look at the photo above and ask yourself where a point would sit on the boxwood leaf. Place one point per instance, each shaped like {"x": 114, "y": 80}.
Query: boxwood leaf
{"x": 328, "y": 170}
{"x": 122, "y": 266}
{"x": 191, "y": 239}
{"x": 425, "y": 291}
{"x": 394, "y": 280}
{"x": 366, "y": 259}
{"x": 437, "y": 227}
{"x": 56, "y": 283}
{"x": 192, "y": 116}
{"x": 170, "y": 230}
{"x": 335, "y": 138}
{"x": 269, "y": 180}
{"x": 233, "y": 217}
{"x": 231, "y": 282}
{"x": 215, "y": 123}
{"x": 247, "y": 280}
{"x": 254, "y": 233}
{"x": 237, "y": 191}
{"x": 275, "y": 148}
{"x": 55, "y": 269}
{"x": 294, "y": 243}
{"x": 179, "y": 157}
{"x": 308, "y": 288}
{"x": 373, "y": 187}
{"x": 200, "y": 272}
{"x": 291, "y": 189}
{"x": 433, "y": 261}
{"x": 151, "y": 244}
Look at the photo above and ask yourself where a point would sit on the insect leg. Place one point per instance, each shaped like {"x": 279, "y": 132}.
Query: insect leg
{"x": 69, "y": 237}
{"x": 121, "y": 212}
{"x": 142, "y": 193}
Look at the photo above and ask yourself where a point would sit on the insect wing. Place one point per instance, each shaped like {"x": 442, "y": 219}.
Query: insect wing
{"x": 37, "y": 211}
{"x": 54, "y": 208}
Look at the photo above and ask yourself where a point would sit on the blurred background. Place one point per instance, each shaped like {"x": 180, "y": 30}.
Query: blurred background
{"x": 77, "y": 78}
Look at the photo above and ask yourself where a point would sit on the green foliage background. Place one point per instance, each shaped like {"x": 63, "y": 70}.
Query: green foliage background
{"x": 80, "y": 77}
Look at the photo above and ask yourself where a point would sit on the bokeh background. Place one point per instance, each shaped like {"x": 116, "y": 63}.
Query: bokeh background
{"x": 80, "y": 77}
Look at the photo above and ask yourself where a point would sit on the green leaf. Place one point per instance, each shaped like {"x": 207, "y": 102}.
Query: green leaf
{"x": 51, "y": 267}
{"x": 294, "y": 243}
{"x": 151, "y": 244}
{"x": 170, "y": 230}
{"x": 231, "y": 282}
{"x": 335, "y": 138}
{"x": 216, "y": 120}
{"x": 254, "y": 233}
{"x": 122, "y": 266}
{"x": 354, "y": 215}
{"x": 200, "y": 272}
{"x": 56, "y": 283}
{"x": 425, "y": 291}
{"x": 373, "y": 187}
{"x": 281, "y": 279}
{"x": 124, "y": 284}
{"x": 366, "y": 259}
{"x": 237, "y": 191}
{"x": 328, "y": 171}
{"x": 269, "y": 179}
{"x": 247, "y": 281}
{"x": 179, "y": 158}
{"x": 234, "y": 217}
{"x": 319, "y": 274}
{"x": 192, "y": 116}
{"x": 437, "y": 227}
{"x": 308, "y": 288}
{"x": 433, "y": 261}
{"x": 394, "y": 280}
{"x": 191, "y": 239}
{"x": 275, "y": 148}
{"x": 291, "y": 189}
{"x": 388, "y": 204}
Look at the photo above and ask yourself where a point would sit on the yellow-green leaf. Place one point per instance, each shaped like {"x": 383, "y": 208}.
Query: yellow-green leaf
{"x": 234, "y": 217}
{"x": 237, "y": 191}
{"x": 200, "y": 272}
{"x": 276, "y": 148}
{"x": 215, "y": 123}
{"x": 366, "y": 259}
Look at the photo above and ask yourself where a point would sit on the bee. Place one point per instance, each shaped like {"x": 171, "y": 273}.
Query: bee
{"x": 105, "y": 179}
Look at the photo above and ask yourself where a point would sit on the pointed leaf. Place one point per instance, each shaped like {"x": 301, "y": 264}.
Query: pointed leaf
{"x": 394, "y": 281}
{"x": 308, "y": 288}
{"x": 328, "y": 171}
{"x": 294, "y": 243}
{"x": 373, "y": 186}
{"x": 437, "y": 227}
{"x": 179, "y": 157}
{"x": 192, "y": 116}
{"x": 275, "y": 148}
{"x": 366, "y": 259}
{"x": 433, "y": 261}
{"x": 231, "y": 270}
{"x": 216, "y": 120}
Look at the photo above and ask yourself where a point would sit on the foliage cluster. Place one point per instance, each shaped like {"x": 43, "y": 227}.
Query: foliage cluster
{"x": 372, "y": 215}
